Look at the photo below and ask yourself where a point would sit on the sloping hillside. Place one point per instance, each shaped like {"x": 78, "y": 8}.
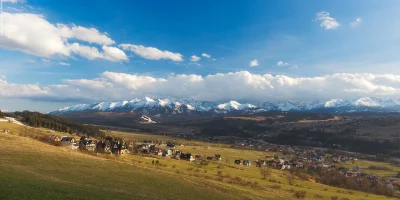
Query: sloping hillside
{"x": 33, "y": 170}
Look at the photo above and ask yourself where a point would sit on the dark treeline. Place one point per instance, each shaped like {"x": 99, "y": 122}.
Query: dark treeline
{"x": 1, "y": 114}
{"x": 56, "y": 123}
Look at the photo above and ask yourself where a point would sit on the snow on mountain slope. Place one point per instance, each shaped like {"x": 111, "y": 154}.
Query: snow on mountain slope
{"x": 186, "y": 105}
{"x": 234, "y": 105}
{"x": 103, "y": 106}
{"x": 376, "y": 102}
{"x": 117, "y": 104}
{"x": 335, "y": 103}
{"x": 79, "y": 107}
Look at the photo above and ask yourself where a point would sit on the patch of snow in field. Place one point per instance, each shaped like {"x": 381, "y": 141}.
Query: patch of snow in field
{"x": 13, "y": 120}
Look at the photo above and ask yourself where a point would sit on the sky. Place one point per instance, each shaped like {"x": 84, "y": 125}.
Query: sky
{"x": 56, "y": 53}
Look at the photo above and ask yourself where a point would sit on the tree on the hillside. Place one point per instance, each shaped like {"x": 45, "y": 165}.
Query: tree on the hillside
{"x": 265, "y": 171}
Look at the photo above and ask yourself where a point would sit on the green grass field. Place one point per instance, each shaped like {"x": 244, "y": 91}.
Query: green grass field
{"x": 30, "y": 169}
{"x": 391, "y": 170}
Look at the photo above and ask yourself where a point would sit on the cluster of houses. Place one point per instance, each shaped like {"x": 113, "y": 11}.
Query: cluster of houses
{"x": 169, "y": 150}
{"x": 86, "y": 143}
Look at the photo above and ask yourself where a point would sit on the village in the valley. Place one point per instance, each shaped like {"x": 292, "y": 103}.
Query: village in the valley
{"x": 279, "y": 157}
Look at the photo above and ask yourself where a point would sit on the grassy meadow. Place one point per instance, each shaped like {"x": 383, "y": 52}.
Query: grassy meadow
{"x": 30, "y": 169}
{"x": 378, "y": 168}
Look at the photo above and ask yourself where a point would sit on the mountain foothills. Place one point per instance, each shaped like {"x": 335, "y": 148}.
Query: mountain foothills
{"x": 176, "y": 106}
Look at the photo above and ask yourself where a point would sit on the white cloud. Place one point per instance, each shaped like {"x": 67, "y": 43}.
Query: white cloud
{"x": 64, "y": 64}
{"x": 13, "y": 1}
{"x": 285, "y": 64}
{"x": 281, "y": 63}
{"x": 33, "y": 34}
{"x": 88, "y": 52}
{"x": 194, "y": 58}
{"x": 356, "y": 22}
{"x": 46, "y": 61}
{"x": 152, "y": 53}
{"x": 3, "y": 77}
{"x": 241, "y": 86}
{"x": 205, "y": 55}
{"x": 92, "y": 53}
{"x": 327, "y": 22}
{"x": 114, "y": 54}
{"x": 254, "y": 63}
{"x": 90, "y": 35}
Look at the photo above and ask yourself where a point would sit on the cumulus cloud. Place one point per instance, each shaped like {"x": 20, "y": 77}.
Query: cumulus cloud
{"x": 254, "y": 63}
{"x": 152, "y": 53}
{"x": 327, "y": 22}
{"x": 356, "y": 22}
{"x": 114, "y": 54}
{"x": 92, "y": 53}
{"x": 281, "y": 63}
{"x": 90, "y": 35}
{"x": 194, "y": 58}
{"x": 33, "y": 34}
{"x": 242, "y": 86}
{"x": 3, "y": 77}
{"x": 205, "y": 55}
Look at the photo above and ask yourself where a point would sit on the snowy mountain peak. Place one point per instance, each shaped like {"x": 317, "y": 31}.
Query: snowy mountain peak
{"x": 334, "y": 103}
{"x": 186, "y": 105}
{"x": 148, "y": 99}
{"x": 234, "y": 105}
{"x": 367, "y": 102}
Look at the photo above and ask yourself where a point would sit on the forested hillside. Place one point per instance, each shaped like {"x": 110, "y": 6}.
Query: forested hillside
{"x": 36, "y": 119}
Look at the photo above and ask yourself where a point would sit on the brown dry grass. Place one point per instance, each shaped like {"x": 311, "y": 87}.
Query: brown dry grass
{"x": 335, "y": 118}
{"x": 255, "y": 118}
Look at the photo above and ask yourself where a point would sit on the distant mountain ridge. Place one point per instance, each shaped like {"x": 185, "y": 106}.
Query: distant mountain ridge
{"x": 167, "y": 106}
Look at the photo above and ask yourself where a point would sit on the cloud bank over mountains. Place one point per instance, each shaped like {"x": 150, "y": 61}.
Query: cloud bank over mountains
{"x": 242, "y": 85}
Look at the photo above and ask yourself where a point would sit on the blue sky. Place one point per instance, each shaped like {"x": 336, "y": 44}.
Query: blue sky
{"x": 283, "y": 39}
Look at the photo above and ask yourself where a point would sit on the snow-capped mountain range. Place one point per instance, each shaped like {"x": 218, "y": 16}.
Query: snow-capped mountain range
{"x": 174, "y": 106}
